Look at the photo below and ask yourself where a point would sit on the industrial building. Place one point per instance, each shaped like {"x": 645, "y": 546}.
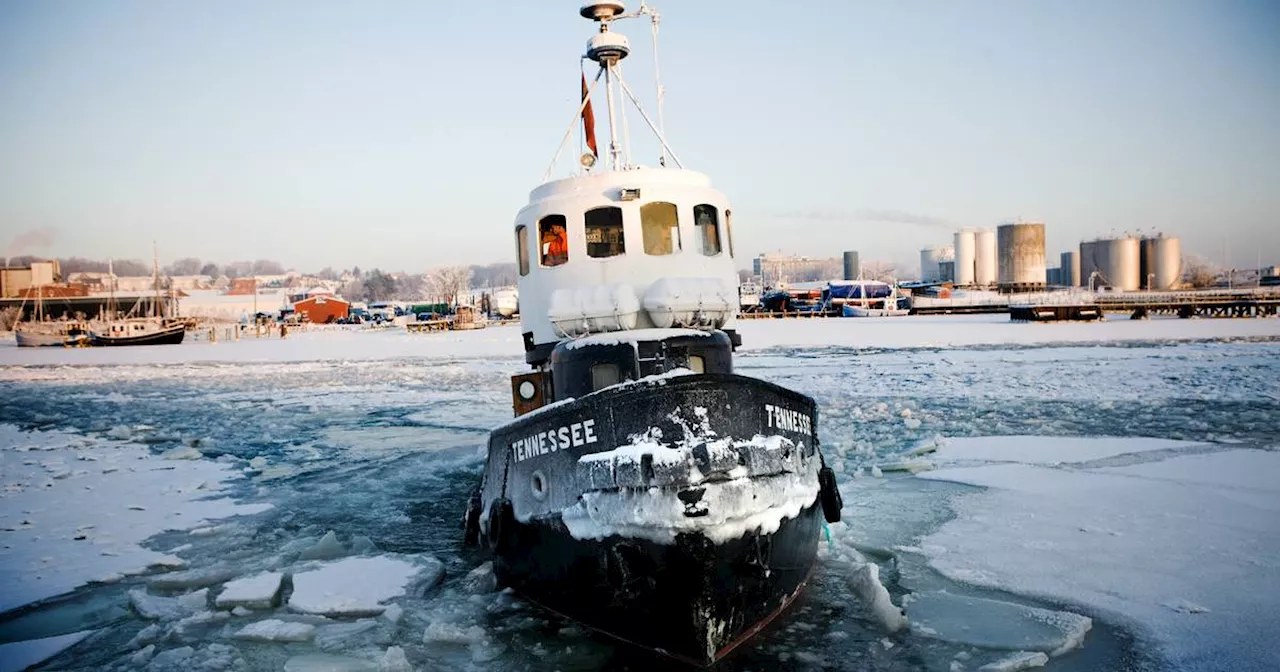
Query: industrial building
{"x": 778, "y": 268}
{"x": 15, "y": 280}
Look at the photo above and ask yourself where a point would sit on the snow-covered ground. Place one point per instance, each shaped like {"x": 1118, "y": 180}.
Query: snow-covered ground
{"x": 1083, "y": 496}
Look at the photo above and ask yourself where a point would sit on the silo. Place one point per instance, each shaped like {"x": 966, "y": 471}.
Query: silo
{"x": 985, "y": 257}
{"x": 1119, "y": 262}
{"x": 851, "y": 266}
{"x": 1069, "y": 276}
{"x": 1021, "y": 249}
{"x": 966, "y": 257}
{"x": 1161, "y": 263}
{"x": 1088, "y": 262}
{"x": 929, "y": 258}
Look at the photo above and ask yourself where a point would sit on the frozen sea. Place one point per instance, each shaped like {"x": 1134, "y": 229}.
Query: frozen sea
{"x": 1078, "y": 496}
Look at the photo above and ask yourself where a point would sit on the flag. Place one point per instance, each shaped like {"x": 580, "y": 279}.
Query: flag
{"x": 588, "y": 119}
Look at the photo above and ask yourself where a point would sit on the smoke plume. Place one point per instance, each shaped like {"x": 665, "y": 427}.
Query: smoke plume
{"x": 31, "y": 240}
{"x": 868, "y": 215}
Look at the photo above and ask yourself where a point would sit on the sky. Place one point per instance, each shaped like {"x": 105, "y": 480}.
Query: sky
{"x": 406, "y": 135}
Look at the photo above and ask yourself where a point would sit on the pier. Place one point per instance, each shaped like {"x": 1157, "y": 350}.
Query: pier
{"x": 1252, "y": 302}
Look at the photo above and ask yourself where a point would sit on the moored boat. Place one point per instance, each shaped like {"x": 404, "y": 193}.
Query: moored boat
{"x": 35, "y": 335}
{"x": 40, "y": 333}
{"x": 644, "y": 489}
{"x": 141, "y": 331}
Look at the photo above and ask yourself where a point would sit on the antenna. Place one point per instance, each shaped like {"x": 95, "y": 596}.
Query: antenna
{"x": 608, "y": 48}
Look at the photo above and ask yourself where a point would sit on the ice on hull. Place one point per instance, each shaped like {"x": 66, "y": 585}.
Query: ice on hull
{"x": 652, "y": 521}
{"x": 694, "y": 599}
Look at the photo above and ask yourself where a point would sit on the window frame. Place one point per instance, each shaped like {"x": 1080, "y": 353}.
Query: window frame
{"x": 676, "y": 245}
{"x": 522, "y": 250}
{"x": 549, "y": 221}
{"x": 728, "y": 230}
{"x": 588, "y": 225}
{"x": 700, "y": 229}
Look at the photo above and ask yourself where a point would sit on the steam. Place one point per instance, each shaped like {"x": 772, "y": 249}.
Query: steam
{"x": 867, "y": 215}
{"x": 31, "y": 240}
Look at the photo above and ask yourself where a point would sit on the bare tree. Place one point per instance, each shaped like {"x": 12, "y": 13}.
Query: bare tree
{"x": 1197, "y": 273}
{"x": 184, "y": 266}
{"x": 884, "y": 271}
{"x": 447, "y": 284}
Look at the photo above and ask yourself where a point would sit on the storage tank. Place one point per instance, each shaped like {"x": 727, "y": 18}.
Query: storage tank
{"x": 1088, "y": 262}
{"x": 851, "y": 266}
{"x": 965, "y": 256}
{"x": 1069, "y": 275}
{"x": 929, "y": 259}
{"x": 1161, "y": 263}
{"x": 1119, "y": 263}
{"x": 985, "y": 264}
{"x": 966, "y": 250}
{"x": 1021, "y": 252}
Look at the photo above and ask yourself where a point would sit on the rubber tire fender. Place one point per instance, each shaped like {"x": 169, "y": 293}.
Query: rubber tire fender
{"x": 502, "y": 525}
{"x": 471, "y": 520}
{"x": 829, "y": 495}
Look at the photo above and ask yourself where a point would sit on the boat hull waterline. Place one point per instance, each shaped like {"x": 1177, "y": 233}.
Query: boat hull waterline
{"x": 165, "y": 336}
{"x": 679, "y": 514}
{"x": 34, "y": 339}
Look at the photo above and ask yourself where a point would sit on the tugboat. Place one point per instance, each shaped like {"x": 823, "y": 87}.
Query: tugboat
{"x": 644, "y": 489}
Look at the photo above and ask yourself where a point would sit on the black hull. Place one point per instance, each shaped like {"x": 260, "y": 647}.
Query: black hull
{"x": 692, "y": 600}
{"x": 698, "y": 454}
{"x": 169, "y": 336}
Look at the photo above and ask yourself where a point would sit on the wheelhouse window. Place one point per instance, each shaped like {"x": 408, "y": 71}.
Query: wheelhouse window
{"x": 728, "y": 229}
{"x": 661, "y": 228}
{"x": 604, "y": 232}
{"x": 553, "y": 240}
{"x": 522, "y": 249}
{"x": 707, "y": 224}
{"x": 604, "y": 375}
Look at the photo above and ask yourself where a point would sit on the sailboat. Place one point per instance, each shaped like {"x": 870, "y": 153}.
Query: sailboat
{"x": 39, "y": 333}
{"x": 154, "y": 329}
{"x": 644, "y": 489}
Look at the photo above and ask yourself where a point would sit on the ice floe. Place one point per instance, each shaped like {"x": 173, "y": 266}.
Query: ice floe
{"x": 1194, "y": 529}
{"x": 865, "y": 580}
{"x": 274, "y": 630}
{"x": 94, "y": 521}
{"x": 993, "y": 624}
{"x": 261, "y": 591}
{"x": 15, "y": 656}
{"x": 360, "y": 586}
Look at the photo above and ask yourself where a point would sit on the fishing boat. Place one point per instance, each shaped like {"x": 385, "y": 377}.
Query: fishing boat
{"x": 155, "y": 329}
{"x": 865, "y": 298}
{"x": 39, "y": 333}
{"x": 643, "y": 488}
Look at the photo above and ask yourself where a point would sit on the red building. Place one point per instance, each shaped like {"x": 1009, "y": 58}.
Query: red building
{"x": 321, "y": 308}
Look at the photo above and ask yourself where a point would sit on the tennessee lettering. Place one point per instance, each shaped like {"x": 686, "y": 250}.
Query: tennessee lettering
{"x": 569, "y": 436}
{"x": 789, "y": 420}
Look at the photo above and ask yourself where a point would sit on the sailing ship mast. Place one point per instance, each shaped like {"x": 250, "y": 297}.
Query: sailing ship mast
{"x": 155, "y": 280}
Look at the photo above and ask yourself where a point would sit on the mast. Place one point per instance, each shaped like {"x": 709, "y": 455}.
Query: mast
{"x": 608, "y": 48}
{"x": 111, "y": 291}
{"x": 155, "y": 280}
